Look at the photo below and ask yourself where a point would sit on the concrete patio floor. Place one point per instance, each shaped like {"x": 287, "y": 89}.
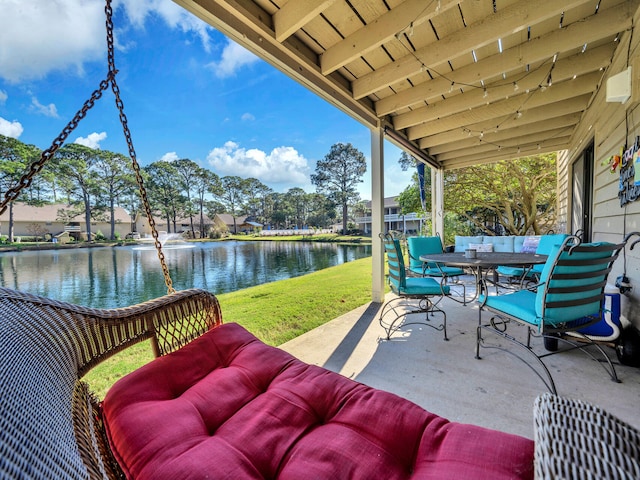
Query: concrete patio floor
{"x": 497, "y": 391}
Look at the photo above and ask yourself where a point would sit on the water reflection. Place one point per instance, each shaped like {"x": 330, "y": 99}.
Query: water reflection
{"x": 121, "y": 276}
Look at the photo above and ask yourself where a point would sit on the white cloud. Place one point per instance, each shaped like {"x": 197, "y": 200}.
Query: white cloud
{"x": 92, "y": 140}
{"x": 10, "y": 129}
{"x": 247, "y": 117}
{"x": 3, "y": 96}
{"x": 232, "y": 59}
{"x": 37, "y": 37}
{"x": 284, "y": 165}
{"x": 59, "y": 34}
{"x": 174, "y": 15}
{"x": 46, "y": 110}
{"x": 169, "y": 157}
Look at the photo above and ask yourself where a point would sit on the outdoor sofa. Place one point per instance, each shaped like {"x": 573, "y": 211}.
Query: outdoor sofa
{"x": 219, "y": 403}
{"x": 540, "y": 244}
{"x": 506, "y": 243}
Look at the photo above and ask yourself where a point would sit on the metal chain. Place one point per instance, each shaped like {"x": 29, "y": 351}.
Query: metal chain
{"x": 132, "y": 153}
{"x": 35, "y": 168}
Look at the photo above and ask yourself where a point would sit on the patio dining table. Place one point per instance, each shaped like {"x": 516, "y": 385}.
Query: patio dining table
{"x": 484, "y": 262}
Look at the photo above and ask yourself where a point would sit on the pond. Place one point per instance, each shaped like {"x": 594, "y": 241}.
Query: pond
{"x": 122, "y": 276}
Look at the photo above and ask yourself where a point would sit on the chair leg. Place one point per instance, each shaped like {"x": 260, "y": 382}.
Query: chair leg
{"x": 456, "y": 283}
{"x": 499, "y": 328}
{"x": 400, "y": 307}
{"x": 390, "y": 306}
{"x": 583, "y": 346}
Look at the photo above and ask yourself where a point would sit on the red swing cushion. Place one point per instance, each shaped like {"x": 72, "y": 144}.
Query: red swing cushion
{"x": 229, "y": 406}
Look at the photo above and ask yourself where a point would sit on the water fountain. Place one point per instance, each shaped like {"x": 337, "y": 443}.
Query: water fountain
{"x": 169, "y": 241}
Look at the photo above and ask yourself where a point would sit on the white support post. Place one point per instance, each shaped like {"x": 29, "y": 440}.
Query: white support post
{"x": 377, "y": 214}
{"x": 437, "y": 202}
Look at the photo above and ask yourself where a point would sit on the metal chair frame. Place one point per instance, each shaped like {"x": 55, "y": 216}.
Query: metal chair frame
{"x": 560, "y": 289}
{"x": 403, "y": 304}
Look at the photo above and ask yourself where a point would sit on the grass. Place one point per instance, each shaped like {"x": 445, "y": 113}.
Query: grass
{"x": 274, "y": 312}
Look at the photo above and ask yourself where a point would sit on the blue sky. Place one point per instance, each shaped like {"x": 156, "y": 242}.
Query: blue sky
{"x": 188, "y": 92}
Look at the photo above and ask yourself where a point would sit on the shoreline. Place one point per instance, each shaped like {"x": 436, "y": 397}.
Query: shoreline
{"x": 53, "y": 246}
{"x": 19, "y": 247}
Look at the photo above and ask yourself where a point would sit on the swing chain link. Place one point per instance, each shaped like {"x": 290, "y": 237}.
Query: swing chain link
{"x": 36, "y": 167}
{"x": 25, "y": 181}
{"x": 132, "y": 153}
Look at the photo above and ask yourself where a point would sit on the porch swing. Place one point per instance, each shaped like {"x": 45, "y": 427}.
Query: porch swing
{"x": 216, "y": 402}
{"x": 50, "y": 423}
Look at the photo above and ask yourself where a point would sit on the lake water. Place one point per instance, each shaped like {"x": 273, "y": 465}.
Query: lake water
{"x": 122, "y": 276}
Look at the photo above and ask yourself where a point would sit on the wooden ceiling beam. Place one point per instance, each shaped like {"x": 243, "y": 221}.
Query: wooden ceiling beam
{"x": 296, "y": 14}
{"x": 305, "y": 44}
{"x": 383, "y": 29}
{"x": 531, "y": 116}
{"x": 605, "y": 24}
{"x": 485, "y": 145}
{"x": 512, "y": 19}
{"x": 500, "y": 136}
{"x": 549, "y": 146}
{"x": 560, "y": 91}
{"x": 564, "y": 69}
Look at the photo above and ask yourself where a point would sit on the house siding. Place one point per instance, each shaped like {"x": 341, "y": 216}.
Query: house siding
{"x": 47, "y": 217}
{"x": 393, "y": 218}
{"x": 609, "y": 126}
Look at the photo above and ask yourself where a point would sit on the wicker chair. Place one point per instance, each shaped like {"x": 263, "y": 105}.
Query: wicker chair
{"x": 50, "y": 426}
{"x": 574, "y": 439}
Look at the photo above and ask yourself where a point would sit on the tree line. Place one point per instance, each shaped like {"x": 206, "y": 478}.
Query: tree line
{"x": 513, "y": 197}
{"x": 92, "y": 182}
{"x": 510, "y": 197}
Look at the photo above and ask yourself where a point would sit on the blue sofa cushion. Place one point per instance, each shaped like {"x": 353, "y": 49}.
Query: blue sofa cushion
{"x": 462, "y": 242}
{"x": 501, "y": 243}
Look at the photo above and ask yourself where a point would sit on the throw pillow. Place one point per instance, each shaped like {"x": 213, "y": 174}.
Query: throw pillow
{"x": 481, "y": 247}
{"x": 530, "y": 244}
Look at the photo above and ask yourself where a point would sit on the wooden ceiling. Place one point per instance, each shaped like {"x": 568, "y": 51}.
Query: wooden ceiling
{"x": 465, "y": 82}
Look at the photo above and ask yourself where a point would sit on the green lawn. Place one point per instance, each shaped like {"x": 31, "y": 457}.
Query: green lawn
{"x": 274, "y": 312}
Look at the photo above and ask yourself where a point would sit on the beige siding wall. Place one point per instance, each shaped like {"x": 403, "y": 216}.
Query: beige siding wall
{"x": 609, "y": 126}
{"x": 21, "y": 229}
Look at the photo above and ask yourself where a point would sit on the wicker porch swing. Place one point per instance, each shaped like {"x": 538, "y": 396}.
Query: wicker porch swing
{"x": 219, "y": 403}
{"x": 65, "y": 341}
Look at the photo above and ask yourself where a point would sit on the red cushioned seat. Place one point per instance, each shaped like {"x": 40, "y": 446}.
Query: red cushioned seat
{"x": 229, "y": 406}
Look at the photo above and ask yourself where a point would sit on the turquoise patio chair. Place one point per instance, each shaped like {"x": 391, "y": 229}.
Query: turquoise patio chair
{"x": 569, "y": 297}
{"x": 417, "y": 246}
{"x": 523, "y": 275}
{"x": 428, "y": 291}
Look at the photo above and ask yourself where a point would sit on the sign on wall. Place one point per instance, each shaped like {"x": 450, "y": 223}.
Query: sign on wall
{"x": 629, "y": 162}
